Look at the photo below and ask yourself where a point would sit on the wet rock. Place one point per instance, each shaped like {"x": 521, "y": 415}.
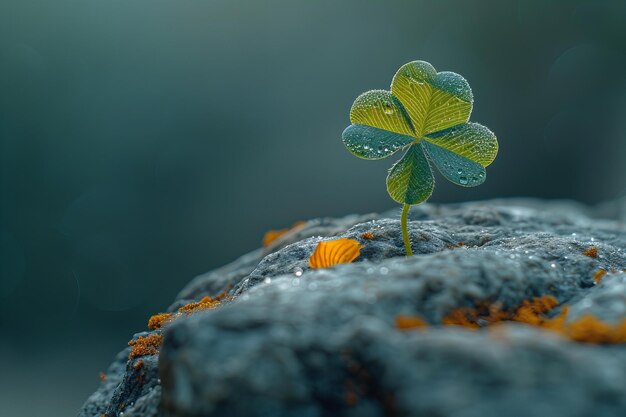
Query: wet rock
{"x": 215, "y": 281}
{"x": 300, "y": 342}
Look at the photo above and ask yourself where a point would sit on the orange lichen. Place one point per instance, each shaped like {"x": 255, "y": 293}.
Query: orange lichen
{"x": 532, "y": 312}
{"x": 592, "y": 252}
{"x": 484, "y": 314}
{"x": 335, "y": 252}
{"x": 557, "y": 323}
{"x": 404, "y": 322}
{"x": 159, "y": 320}
{"x": 271, "y": 235}
{"x": 586, "y": 329}
{"x": 481, "y": 315}
{"x": 368, "y": 235}
{"x": 206, "y": 303}
{"x": 597, "y": 277}
{"x": 148, "y": 345}
{"x": 590, "y": 329}
{"x": 102, "y": 376}
{"x": 465, "y": 317}
{"x": 138, "y": 365}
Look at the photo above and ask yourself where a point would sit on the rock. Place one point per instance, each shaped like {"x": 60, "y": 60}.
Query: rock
{"x": 215, "y": 281}
{"x": 131, "y": 386}
{"x": 301, "y": 342}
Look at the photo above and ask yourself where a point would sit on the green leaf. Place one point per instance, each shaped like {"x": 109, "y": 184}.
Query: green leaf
{"x": 434, "y": 101}
{"x": 372, "y": 143}
{"x": 454, "y": 167}
{"x": 379, "y": 108}
{"x": 410, "y": 180}
{"x": 470, "y": 140}
{"x": 428, "y": 113}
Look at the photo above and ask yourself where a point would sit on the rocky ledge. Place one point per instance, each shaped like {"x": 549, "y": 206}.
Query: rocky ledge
{"x": 508, "y": 308}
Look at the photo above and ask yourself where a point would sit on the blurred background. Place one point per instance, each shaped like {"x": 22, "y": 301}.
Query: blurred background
{"x": 145, "y": 142}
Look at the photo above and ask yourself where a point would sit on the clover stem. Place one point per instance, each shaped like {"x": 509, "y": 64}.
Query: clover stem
{"x": 405, "y": 230}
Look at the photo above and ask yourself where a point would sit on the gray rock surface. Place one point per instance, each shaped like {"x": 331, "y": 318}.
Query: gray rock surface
{"x": 301, "y": 342}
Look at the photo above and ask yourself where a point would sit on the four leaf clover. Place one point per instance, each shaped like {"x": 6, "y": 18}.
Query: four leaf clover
{"x": 426, "y": 114}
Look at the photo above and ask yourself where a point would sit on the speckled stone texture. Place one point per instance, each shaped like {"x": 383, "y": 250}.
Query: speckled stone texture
{"x": 315, "y": 343}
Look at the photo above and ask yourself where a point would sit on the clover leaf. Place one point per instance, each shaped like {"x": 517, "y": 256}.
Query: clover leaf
{"x": 426, "y": 114}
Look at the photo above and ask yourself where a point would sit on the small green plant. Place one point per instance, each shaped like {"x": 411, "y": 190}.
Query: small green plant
{"x": 426, "y": 114}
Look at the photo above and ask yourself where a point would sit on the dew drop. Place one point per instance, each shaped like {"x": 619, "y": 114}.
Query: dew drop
{"x": 463, "y": 180}
{"x": 413, "y": 80}
{"x": 297, "y": 272}
{"x": 388, "y": 108}
{"x": 267, "y": 280}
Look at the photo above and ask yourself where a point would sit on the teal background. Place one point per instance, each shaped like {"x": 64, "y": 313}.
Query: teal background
{"x": 145, "y": 142}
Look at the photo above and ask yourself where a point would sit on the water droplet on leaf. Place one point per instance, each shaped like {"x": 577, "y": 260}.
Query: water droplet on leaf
{"x": 388, "y": 108}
